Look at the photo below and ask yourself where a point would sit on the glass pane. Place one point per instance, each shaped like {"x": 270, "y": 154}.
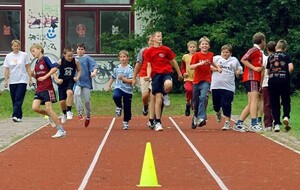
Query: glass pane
{"x": 10, "y": 24}
{"x": 97, "y": 1}
{"x": 10, "y": 2}
{"x": 114, "y": 26}
{"x": 80, "y": 28}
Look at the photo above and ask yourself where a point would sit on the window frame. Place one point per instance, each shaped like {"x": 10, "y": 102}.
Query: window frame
{"x": 19, "y": 7}
{"x": 97, "y": 8}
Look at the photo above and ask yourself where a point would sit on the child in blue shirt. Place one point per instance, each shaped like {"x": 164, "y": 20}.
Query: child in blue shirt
{"x": 122, "y": 76}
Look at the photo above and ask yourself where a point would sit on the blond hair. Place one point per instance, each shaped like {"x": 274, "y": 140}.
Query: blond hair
{"x": 204, "y": 38}
{"x": 192, "y": 42}
{"x": 228, "y": 47}
{"x": 281, "y": 44}
{"x": 125, "y": 52}
{"x": 15, "y": 41}
{"x": 37, "y": 46}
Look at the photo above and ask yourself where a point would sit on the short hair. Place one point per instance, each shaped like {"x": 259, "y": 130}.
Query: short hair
{"x": 37, "y": 46}
{"x": 228, "y": 47}
{"x": 125, "y": 52}
{"x": 271, "y": 46}
{"x": 192, "y": 42}
{"x": 281, "y": 44}
{"x": 204, "y": 38}
{"x": 82, "y": 45}
{"x": 156, "y": 32}
{"x": 258, "y": 38}
{"x": 68, "y": 49}
{"x": 15, "y": 41}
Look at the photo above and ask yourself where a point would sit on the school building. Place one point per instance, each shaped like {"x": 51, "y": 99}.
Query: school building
{"x": 59, "y": 23}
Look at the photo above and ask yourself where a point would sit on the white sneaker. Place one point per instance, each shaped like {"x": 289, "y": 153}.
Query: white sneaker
{"x": 277, "y": 128}
{"x": 59, "y": 134}
{"x": 51, "y": 122}
{"x": 226, "y": 126}
{"x": 69, "y": 115}
{"x": 63, "y": 118}
{"x": 158, "y": 127}
{"x": 125, "y": 125}
{"x": 256, "y": 128}
{"x": 166, "y": 100}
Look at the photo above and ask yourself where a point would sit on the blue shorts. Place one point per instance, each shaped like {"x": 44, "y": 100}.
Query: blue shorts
{"x": 252, "y": 86}
{"x": 158, "y": 82}
{"x": 46, "y": 96}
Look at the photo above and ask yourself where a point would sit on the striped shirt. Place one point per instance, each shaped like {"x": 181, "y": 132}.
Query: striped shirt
{"x": 126, "y": 72}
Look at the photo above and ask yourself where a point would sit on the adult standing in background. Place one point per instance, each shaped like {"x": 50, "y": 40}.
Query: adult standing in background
{"x": 16, "y": 76}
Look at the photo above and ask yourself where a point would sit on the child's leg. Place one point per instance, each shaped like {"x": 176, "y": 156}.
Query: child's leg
{"x": 52, "y": 114}
{"x": 86, "y": 96}
{"x": 286, "y": 101}
{"x": 69, "y": 101}
{"x": 260, "y": 108}
{"x": 268, "y": 118}
{"x": 127, "y": 98}
{"x": 168, "y": 85}
{"x": 36, "y": 107}
{"x": 204, "y": 88}
{"x": 253, "y": 106}
{"x": 157, "y": 108}
{"x": 216, "y": 99}
{"x": 188, "y": 86}
{"x": 226, "y": 102}
{"x": 77, "y": 99}
{"x": 117, "y": 97}
{"x": 196, "y": 94}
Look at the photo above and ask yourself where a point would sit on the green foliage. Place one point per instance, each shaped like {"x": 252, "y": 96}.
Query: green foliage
{"x": 222, "y": 21}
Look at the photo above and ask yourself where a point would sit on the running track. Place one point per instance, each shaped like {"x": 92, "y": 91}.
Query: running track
{"x": 103, "y": 156}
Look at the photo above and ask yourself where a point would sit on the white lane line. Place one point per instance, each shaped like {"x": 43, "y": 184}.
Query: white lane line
{"x": 96, "y": 157}
{"x": 201, "y": 158}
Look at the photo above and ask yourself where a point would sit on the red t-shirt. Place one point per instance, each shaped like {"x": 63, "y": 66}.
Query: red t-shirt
{"x": 42, "y": 67}
{"x": 255, "y": 57}
{"x": 203, "y": 72}
{"x": 160, "y": 58}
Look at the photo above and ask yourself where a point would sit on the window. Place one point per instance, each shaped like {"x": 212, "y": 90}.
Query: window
{"x": 97, "y": 1}
{"x": 81, "y": 29}
{"x": 10, "y": 28}
{"x": 97, "y": 26}
{"x": 10, "y": 2}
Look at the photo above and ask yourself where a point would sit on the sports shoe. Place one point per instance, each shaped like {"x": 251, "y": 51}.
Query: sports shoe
{"x": 286, "y": 122}
{"x": 226, "y": 126}
{"x": 276, "y": 128}
{"x": 239, "y": 127}
{"x": 63, "y": 118}
{"x": 118, "y": 111}
{"x": 145, "y": 110}
{"x": 187, "y": 110}
{"x": 69, "y": 115}
{"x": 15, "y": 119}
{"x": 80, "y": 116}
{"x": 158, "y": 127}
{"x": 125, "y": 125}
{"x": 59, "y": 134}
{"x": 194, "y": 122}
{"x": 201, "y": 122}
{"x": 218, "y": 116}
{"x": 270, "y": 128}
{"x": 87, "y": 122}
{"x": 51, "y": 122}
{"x": 151, "y": 126}
{"x": 256, "y": 128}
{"x": 166, "y": 100}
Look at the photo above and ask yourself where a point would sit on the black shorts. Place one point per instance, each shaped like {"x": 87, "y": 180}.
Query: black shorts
{"x": 252, "y": 86}
{"x": 158, "y": 82}
{"x": 46, "y": 96}
{"x": 62, "y": 89}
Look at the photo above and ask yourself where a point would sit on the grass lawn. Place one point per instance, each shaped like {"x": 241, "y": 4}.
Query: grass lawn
{"x": 102, "y": 104}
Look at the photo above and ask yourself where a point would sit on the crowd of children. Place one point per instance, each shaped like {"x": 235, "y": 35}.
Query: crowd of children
{"x": 202, "y": 72}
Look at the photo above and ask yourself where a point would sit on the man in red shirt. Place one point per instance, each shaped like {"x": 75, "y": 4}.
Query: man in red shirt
{"x": 159, "y": 59}
{"x": 252, "y": 61}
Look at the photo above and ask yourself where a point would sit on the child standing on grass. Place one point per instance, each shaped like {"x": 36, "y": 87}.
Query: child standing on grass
{"x": 267, "y": 108}
{"x": 223, "y": 84}
{"x": 251, "y": 79}
{"x": 201, "y": 62}
{"x": 280, "y": 67}
{"x": 122, "y": 75}
{"x": 45, "y": 93}
{"x": 84, "y": 85}
{"x": 68, "y": 68}
{"x": 160, "y": 59}
{"x": 188, "y": 75}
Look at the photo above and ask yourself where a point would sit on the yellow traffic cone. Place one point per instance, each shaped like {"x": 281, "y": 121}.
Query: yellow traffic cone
{"x": 148, "y": 176}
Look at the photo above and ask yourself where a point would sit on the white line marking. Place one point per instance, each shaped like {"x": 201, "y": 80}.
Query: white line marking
{"x": 201, "y": 158}
{"x": 96, "y": 157}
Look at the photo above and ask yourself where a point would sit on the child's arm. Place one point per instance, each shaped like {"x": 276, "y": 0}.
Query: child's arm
{"x": 137, "y": 68}
{"x": 291, "y": 67}
{"x": 219, "y": 69}
{"x": 250, "y": 66}
{"x": 78, "y": 68}
{"x": 149, "y": 70}
{"x": 175, "y": 65}
{"x": 125, "y": 80}
{"x": 183, "y": 69}
{"x": 109, "y": 83}
{"x": 51, "y": 72}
